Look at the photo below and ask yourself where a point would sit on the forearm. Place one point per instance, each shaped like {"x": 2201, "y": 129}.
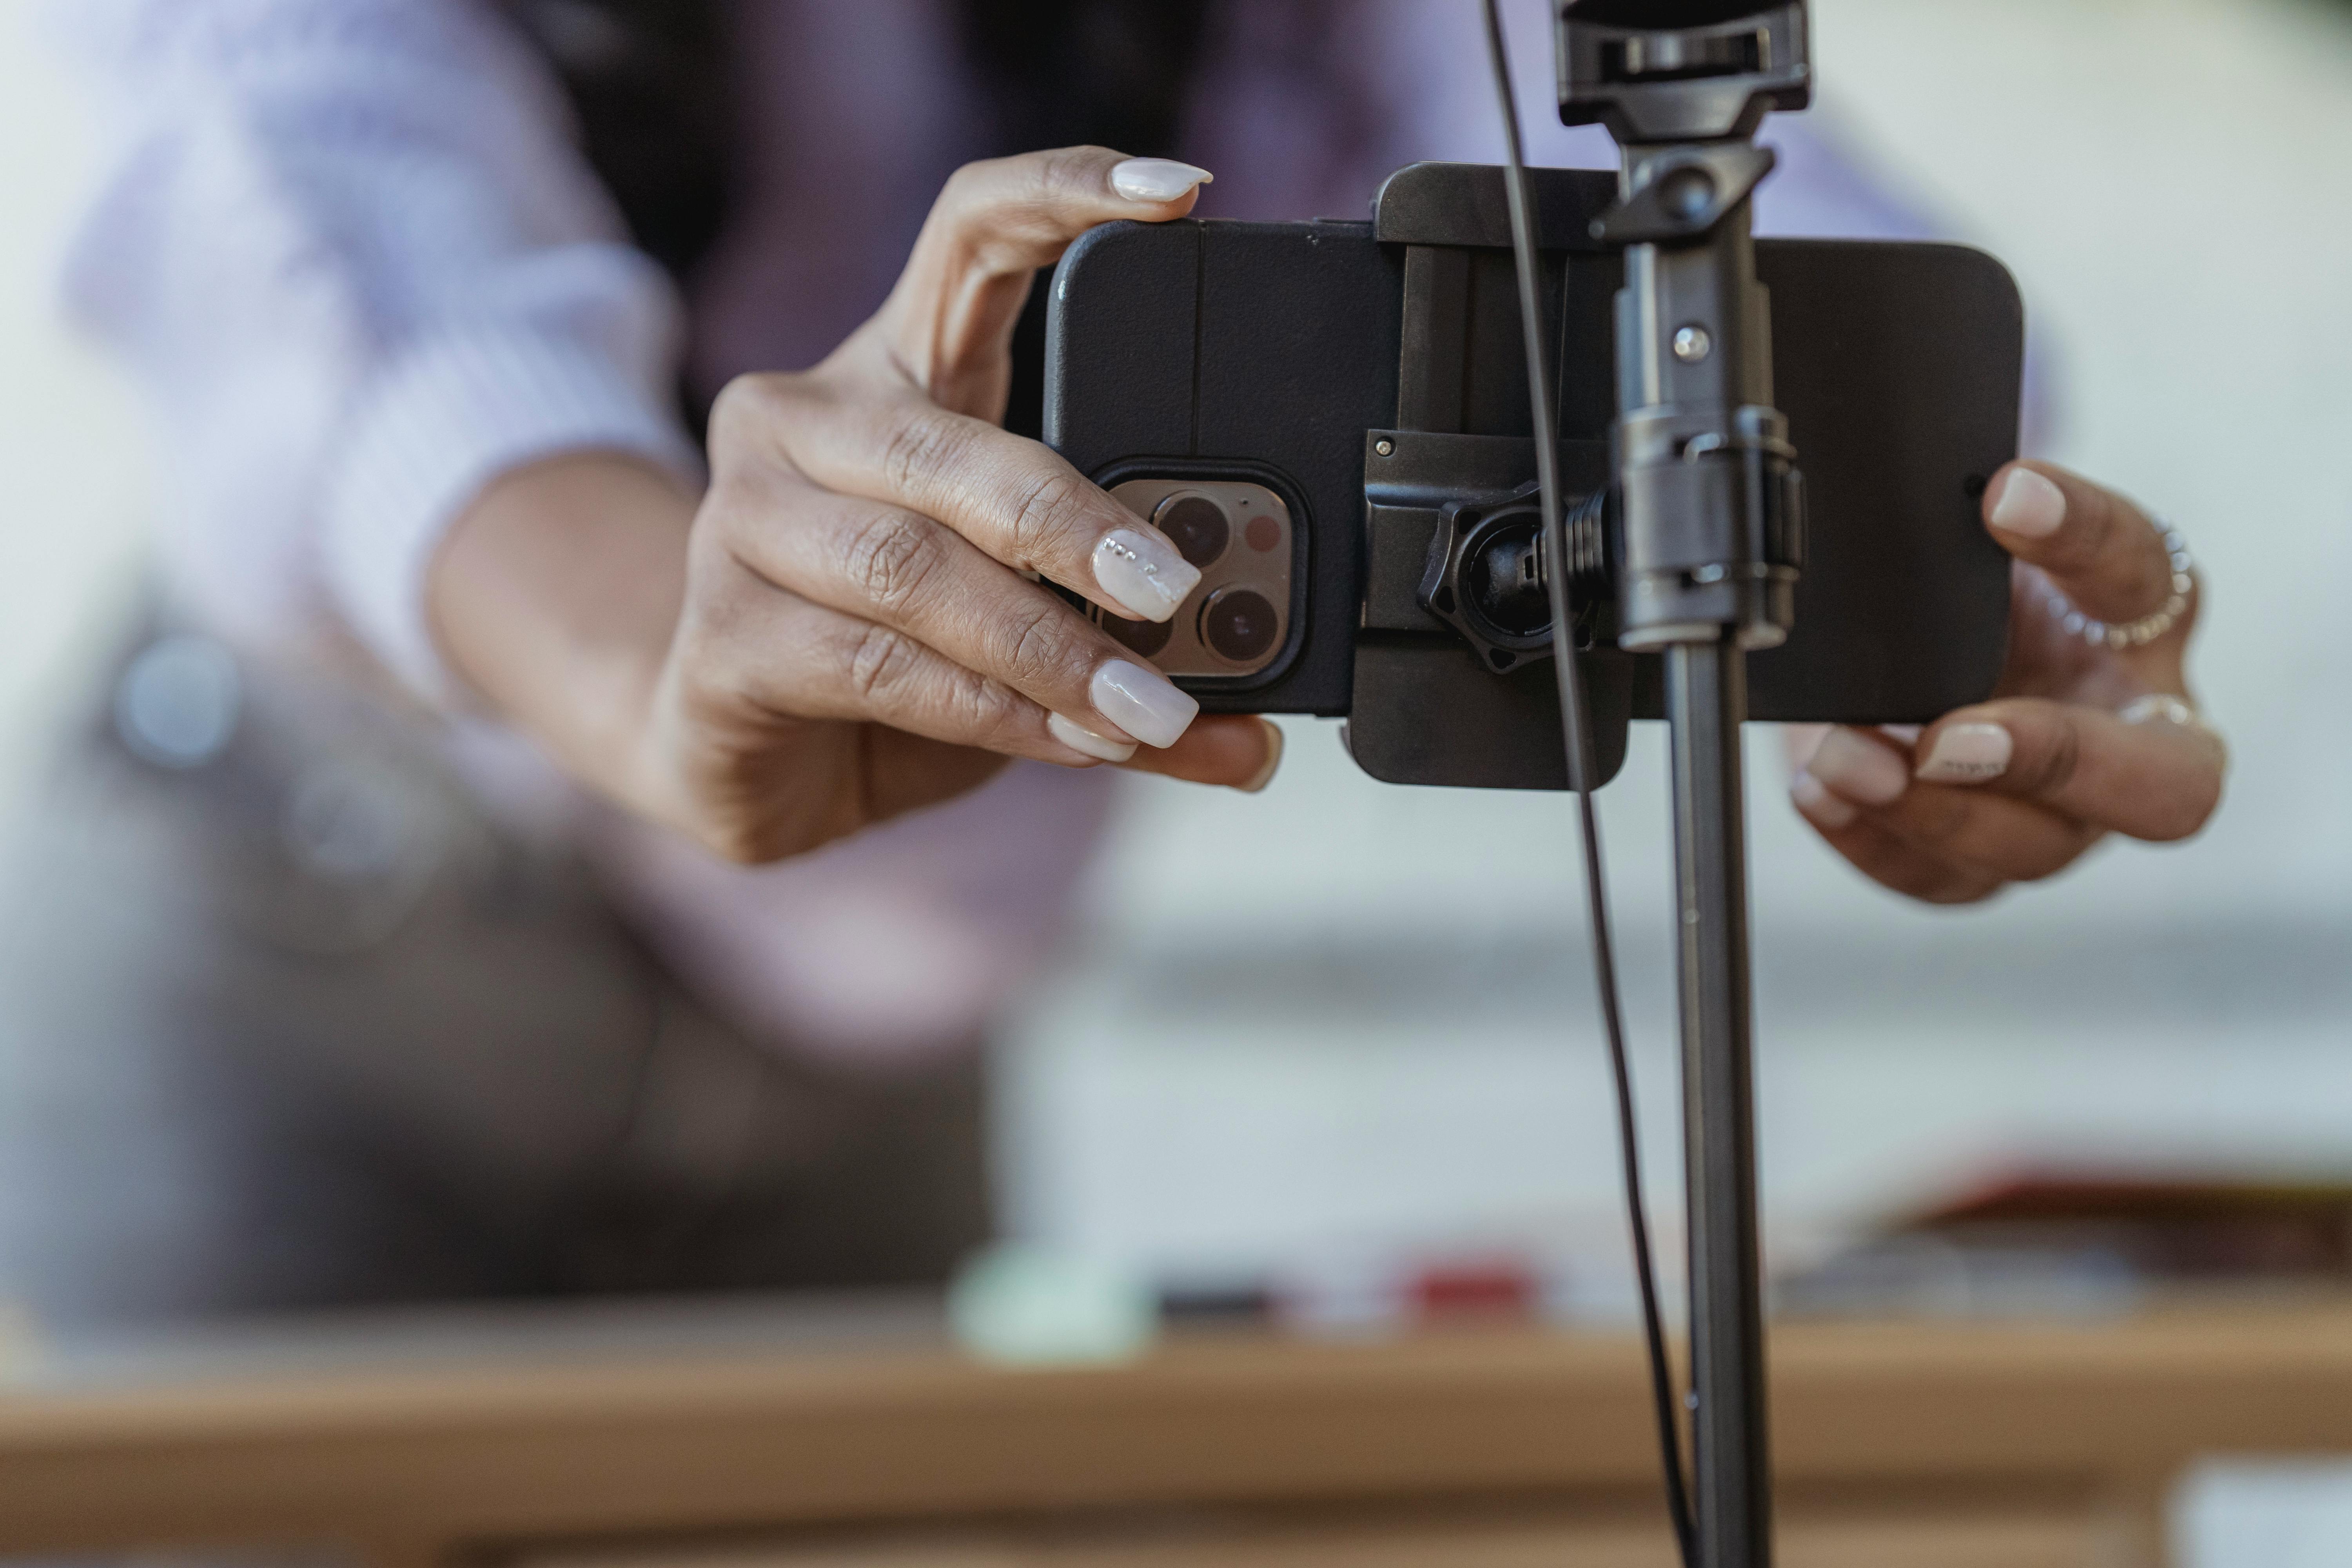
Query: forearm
{"x": 354, "y": 257}
{"x": 555, "y": 596}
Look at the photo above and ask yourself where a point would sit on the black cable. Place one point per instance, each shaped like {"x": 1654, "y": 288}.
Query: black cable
{"x": 1581, "y": 765}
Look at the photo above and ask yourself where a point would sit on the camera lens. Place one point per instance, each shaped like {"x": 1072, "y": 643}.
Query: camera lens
{"x": 1240, "y": 626}
{"x": 1198, "y": 526}
{"x": 1146, "y": 638}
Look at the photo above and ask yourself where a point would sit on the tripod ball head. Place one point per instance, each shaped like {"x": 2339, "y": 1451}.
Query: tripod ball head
{"x": 1681, "y": 70}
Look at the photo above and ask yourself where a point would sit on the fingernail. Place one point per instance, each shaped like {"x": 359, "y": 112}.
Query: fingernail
{"x": 1819, "y": 805}
{"x": 1906, "y": 733}
{"x": 1863, "y": 772}
{"x": 1144, "y": 573}
{"x": 1264, "y": 775}
{"x": 1156, "y": 179}
{"x": 2029, "y": 505}
{"x": 1078, "y": 738}
{"x": 1967, "y": 753}
{"x": 1143, "y": 702}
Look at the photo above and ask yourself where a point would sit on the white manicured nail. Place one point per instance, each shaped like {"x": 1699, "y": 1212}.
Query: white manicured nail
{"x": 1078, "y": 738}
{"x": 1264, "y": 775}
{"x": 1819, "y": 805}
{"x": 1143, "y": 702}
{"x": 1144, "y": 573}
{"x": 1906, "y": 733}
{"x": 1967, "y": 753}
{"x": 2029, "y": 505}
{"x": 1156, "y": 179}
{"x": 1863, "y": 770}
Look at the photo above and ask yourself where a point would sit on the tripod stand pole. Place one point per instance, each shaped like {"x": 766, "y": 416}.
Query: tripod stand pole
{"x": 1706, "y": 698}
{"x": 1712, "y": 514}
{"x": 1713, "y": 517}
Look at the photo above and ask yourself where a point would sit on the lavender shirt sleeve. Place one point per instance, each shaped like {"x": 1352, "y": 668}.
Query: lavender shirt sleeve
{"x": 349, "y": 250}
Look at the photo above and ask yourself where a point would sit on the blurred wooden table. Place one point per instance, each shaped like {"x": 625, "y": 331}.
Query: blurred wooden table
{"x": 1998, "y": 1445}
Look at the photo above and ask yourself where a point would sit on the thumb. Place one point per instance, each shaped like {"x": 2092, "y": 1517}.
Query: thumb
{"x": 2157, "y": 781}
{"x": 2101, "y": 550}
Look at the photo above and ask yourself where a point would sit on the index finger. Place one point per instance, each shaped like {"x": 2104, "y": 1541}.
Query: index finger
{"x": 2100, "y": 549}
{"x": 1016, "y": 499}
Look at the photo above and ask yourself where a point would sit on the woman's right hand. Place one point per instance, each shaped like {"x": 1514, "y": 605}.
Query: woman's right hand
{"x": 843, "y": 632}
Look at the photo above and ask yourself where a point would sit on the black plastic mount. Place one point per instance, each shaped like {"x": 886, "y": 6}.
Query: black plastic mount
{"x": 1489, "y": 574}
{"x": 1440, "y": 481}
{"x": 1899, "y": 378}
{"x": 1453, "y": 669}
{"x": 1682, "y": 193}
{"x": 1680, "y": 70}
{"x": 1712, "y": 501}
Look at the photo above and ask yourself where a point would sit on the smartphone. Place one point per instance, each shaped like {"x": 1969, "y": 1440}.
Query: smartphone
{"x": 1303, "y": 405}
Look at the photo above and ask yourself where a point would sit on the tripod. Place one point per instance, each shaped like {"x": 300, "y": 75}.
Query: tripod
{"x": 1713, "y": 515}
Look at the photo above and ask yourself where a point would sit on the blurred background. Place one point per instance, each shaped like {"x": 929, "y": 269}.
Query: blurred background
{"x": 1345, "y": 1029}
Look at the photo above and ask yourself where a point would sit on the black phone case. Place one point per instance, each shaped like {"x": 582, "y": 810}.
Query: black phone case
{"x": 1273, "y": 350}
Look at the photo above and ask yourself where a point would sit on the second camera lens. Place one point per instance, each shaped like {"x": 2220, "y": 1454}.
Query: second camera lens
{"x": 1198, "y": 527}
{"x": 1242, "y": 626}
{"x": 1146, "y": 638}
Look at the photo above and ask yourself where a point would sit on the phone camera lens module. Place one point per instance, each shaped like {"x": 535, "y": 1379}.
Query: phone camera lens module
{"x": 1198, "y": 527}
{"x": 1146, "y": 638}
{"x": 1240, "y": 626}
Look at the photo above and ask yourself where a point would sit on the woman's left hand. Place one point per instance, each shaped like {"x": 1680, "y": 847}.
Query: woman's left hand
{"x": 2078, "y": 741}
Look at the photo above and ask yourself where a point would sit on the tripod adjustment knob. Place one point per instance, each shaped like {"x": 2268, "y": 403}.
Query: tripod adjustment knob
{"x": 1489, "y": 576}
